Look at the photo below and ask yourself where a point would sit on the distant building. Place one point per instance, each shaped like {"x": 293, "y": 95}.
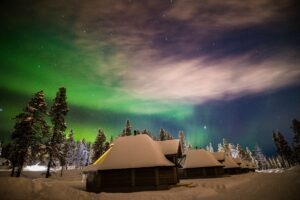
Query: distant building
{"x": 230, "y": 166}
{"x": 200, "y": 163}
{"x": 171, "y": 149}
{"x": 133, "y": 163}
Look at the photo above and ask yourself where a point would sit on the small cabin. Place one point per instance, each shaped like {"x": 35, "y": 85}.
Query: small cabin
{"x": 199, "y": 163}
{"x": 230, "y": 166}
{"x": 171, "y": 149}
{"x": 133, "y": 163}
{"x": 242, "y": 164}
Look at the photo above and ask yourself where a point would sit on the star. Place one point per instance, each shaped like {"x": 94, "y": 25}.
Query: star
{"x": 205, "y": 127}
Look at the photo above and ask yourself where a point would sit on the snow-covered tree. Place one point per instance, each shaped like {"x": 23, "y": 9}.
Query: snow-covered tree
{"x": 70, "y": 149}
{"x": 260, "y": 157}
{"x": 226, "y": 147}
{"x": 233, "y": 151}
{"x": 57, "y": 113}
{"x": 240, "y": 150}
{"x": 220, "y": 148}
{"x": 209, "y": 148}
{"x": 81, "y": 153}
{"x": 182, "y": 141}
{"x": 29, "y": 131}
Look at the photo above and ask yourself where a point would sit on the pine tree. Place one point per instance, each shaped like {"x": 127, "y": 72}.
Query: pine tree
{"x": 58, "y": 112}
{"x": 30, "y": 130}
{"x": 248, "y": 154}
{"x": 70, "y": 149}
{"x": 260, "y": 157}
{"x": 296, "y": 139}
{"x": 127, "y": 129}
{"x": 89, "y": 152}
{"x": 82, "y": 154}
{"x": 241, "y": 152}
{"x": 182, "y": 140}
{"x": 162, "y": 134}
{"x": 106, "y": 147}
{"x": 233, "y": 151}
{"x": 220, "y": 148}
{"x": 283, "y": 149}
{"x": 226, "y": 147}
{"x": 98, "y": 146}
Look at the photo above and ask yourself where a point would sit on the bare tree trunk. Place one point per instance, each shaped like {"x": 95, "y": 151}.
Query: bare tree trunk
{"x": 61, "y": 171}
{"x": 48, "y": 167}
{"x": 20, "y": 167}
{"x": 13, "y": 170}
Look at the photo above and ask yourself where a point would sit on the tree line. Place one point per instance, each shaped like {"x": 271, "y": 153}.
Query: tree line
{"x": 289, "y": 155}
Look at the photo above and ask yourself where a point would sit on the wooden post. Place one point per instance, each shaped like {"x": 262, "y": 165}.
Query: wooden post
{"x": 132, "y": 177}
{"x": 203, "y": 171}
{"x": 98, "y": 179}
{"x": 156, "y": 176}
{"x": 175, "y": 175}
{"x": 215, "y": 169}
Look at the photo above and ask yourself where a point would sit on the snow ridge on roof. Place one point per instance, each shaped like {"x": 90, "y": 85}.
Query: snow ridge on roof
{"x": 132, "y": 152}
{"x": 196, "y": 158}
{"x": 229, "y": 163}
{"x": 220, "y": 156}
{"x": 169, "y": 147}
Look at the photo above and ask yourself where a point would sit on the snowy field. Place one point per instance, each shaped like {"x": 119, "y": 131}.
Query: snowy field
{"x": 264, "y": 185}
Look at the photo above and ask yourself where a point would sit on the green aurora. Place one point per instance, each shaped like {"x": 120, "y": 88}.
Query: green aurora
{"x": 226, "y": 76}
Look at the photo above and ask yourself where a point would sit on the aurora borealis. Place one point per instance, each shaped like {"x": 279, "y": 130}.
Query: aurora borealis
{"x": 215, "y": 70}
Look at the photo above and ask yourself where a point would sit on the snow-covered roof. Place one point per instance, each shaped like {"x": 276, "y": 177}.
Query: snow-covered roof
{"x": 131, "y": 152}
{"x": 196, "y": 158}
{"x": 237, "y": 160}
{"x": 220, "y": 156}
{"x": 169, "y": 147}
{"x": 229, "y": 163}
{"x": 244, "y": 164}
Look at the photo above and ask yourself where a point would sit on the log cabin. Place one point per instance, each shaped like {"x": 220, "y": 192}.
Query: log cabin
{"x": 133, "y": 163}
{"x": 199, "y": 163}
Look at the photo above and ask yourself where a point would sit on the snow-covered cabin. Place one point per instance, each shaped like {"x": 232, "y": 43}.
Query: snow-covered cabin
{"x": 132, "y": 163}
{"x": 243, "y": 165}
{"x": 230, "y": 166}
{"x": 200, "y": 163}
{"x": 171, "y": 149}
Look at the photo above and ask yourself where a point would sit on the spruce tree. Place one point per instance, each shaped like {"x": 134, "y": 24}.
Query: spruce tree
{"x": 296, "y": 139}
{"x": 127, "y": 129}
{"x": 283, "y": 149}
{"x": 162, "y": 134}
{"x": 106, "y": 147}
{"x": 70, "y": 149}
{"x": 30, "y": 130}
{"x": 98, "y": 147}
{"x": 58, "y": 113}
{"x": 260, "y": 157}
{"x": 182, "y": 140}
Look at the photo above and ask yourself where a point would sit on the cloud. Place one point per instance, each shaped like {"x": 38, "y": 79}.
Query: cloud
{"x": 224, "y": 14}
{"x": 164, "y": 50}
{"x": 199, "y": 80}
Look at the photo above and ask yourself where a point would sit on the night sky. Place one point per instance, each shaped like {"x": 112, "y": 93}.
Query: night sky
{"x": 214, "y": 69}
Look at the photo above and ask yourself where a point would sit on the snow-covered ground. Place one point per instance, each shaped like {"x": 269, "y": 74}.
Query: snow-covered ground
{"x": 277, "y": 170}
{"x": 245, "y": 186}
